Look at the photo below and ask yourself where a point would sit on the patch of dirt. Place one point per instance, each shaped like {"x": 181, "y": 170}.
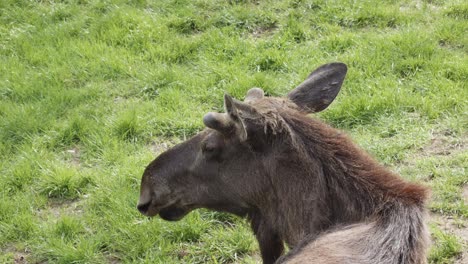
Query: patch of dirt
{"x": 442, "y": 143}
{"x": 113, "y": 260}
{"x": 182, "y": 253}
{"x": 68, "y": 207}
{"x": 458, "y": 227}
{"x": 263, "y": 31}
{"x": 465, "y": 193}
{"x": 75, "y": 155}
{"x": 463, "y": 259}
{"x": 445, "y": 143}
{"x": 158, "y": 147}
{"x": 418, "y": 5}
{"x": 19, "y": 256}
{"x": 56, "y": 208}
{"x": 255, "y": 258}
{"x": 20, "y": 259}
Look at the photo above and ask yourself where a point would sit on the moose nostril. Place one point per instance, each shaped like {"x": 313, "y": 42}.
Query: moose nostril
{"x": 143, "y": 207}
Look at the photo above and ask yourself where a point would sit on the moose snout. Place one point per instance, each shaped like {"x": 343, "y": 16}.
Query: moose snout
{"x": 143, "y": 207}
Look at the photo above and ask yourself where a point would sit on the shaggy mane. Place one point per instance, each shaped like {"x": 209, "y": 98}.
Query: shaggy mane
{"x": 347, "y": 168}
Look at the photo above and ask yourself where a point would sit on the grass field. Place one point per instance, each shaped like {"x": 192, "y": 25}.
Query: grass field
{"x": 92, "y": 90}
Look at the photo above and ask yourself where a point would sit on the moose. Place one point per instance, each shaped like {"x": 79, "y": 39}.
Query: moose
{"x": 298, "y": 181}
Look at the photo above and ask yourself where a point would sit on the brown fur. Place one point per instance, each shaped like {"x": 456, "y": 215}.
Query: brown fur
{"x": 299, "y": 181}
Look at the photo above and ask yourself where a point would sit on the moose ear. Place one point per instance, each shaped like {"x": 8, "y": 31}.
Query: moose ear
{"x": 238, "y": 110}
{"x": 230, "y": 106}
{"x": 320, "y": 89}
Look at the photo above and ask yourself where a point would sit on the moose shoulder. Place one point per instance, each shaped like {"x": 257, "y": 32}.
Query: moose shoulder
{"x": 298, "y": 180}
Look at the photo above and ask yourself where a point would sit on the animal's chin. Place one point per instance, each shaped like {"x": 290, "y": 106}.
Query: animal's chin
{"x": 173, "y": 213}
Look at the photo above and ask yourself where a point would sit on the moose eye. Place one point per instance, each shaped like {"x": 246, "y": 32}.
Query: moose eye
{"x": 208, "y": 149}
{"x": 211, "y": 150}
{"x": 212, "y": 146}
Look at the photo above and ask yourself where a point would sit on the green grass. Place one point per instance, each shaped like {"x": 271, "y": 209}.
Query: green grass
{"x": 91, "y": 91}
{"x": 447, "y": 247}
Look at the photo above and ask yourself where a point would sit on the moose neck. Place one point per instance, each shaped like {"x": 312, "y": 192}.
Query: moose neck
{"x": 321, "y": 179}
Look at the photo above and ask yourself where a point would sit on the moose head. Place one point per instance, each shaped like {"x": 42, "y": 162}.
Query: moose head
{"x": 225, "y": 167}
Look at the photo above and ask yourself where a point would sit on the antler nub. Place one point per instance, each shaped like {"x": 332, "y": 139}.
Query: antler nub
{"x": 254, "y": 94}
{"x": 218, "y": 121}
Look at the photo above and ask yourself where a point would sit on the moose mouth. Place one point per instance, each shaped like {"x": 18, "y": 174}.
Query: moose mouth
{"x": 173, "y": 213}
{"x": 169, "y": 212}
